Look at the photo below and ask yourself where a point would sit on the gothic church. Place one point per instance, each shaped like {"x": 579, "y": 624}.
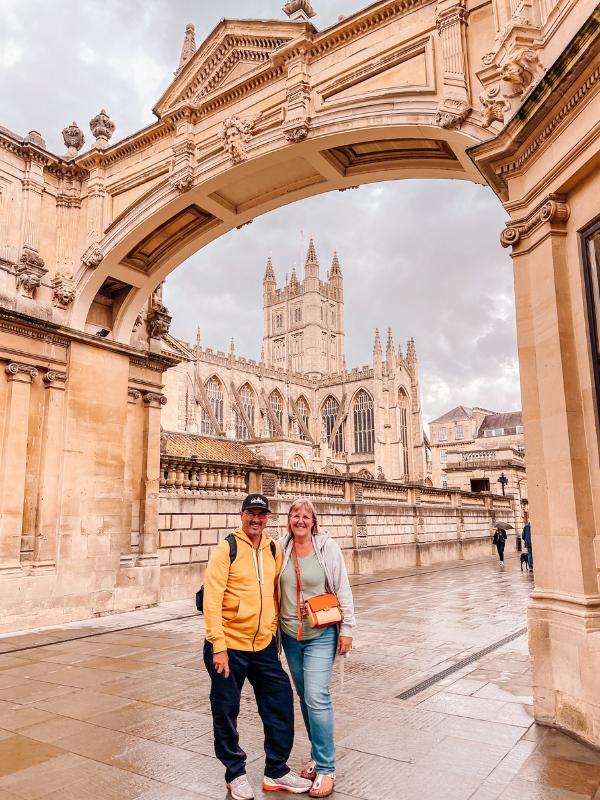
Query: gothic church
{"x": 299, "y": 407}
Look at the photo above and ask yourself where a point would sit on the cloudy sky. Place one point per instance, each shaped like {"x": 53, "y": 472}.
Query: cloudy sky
{"x": 421, "y": 257}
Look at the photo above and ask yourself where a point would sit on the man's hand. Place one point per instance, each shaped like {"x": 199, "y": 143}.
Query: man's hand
{"x": 221, "y": 663}
{"x": 344, "y": 645}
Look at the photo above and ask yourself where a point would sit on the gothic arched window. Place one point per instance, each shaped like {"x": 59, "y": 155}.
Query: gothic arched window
{"x": 276, "y": 405}
{"x": 246, "y": 396}
{"x": 404, "y": 408}
{"x": 214, "y": 391}
{"x": 329, "y": 414}
{"x": 304, "y": 413}
{"x": 364, "y": 425}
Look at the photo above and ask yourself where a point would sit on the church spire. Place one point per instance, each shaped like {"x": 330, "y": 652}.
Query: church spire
{"x": 269, "y": 272}
{"x": 377, "y": 343}
{"x": 311, "y": 265}
{"x": 189, "y": 47}
{"x": 411, "y": 351}
{"x": 335, "y": 265}
{"x": 294, "y": 283}
{"x": 390, "y": 355}
{"x": 377, "y": 355}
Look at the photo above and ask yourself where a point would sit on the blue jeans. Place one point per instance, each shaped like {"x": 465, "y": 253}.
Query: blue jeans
{"x": 311, "y": 663}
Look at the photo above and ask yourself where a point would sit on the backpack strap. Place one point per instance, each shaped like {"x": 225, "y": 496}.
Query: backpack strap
{"x": 232, "y": 542}
{"x": 273, "y": 548}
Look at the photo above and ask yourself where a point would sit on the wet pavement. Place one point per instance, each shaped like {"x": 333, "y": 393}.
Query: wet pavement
{"x": 118, "y": 707}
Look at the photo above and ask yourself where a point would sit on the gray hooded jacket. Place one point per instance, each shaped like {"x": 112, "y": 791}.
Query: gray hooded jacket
{"x": 329, "y": 556}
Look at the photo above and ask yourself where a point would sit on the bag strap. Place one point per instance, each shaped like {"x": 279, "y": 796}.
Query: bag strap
{"x": 298, "y": 592}
{"x": 232, "y": 542}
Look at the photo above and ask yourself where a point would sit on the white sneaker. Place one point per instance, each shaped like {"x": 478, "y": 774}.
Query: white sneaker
{"x": 290, "y": 782}
{"x": 240, "y": 788}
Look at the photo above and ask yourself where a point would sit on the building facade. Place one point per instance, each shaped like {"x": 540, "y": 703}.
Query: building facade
{"x": 476, "y": 450}
{"x": 299, "y": 407}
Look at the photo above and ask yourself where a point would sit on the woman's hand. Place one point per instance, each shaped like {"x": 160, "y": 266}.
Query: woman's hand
{"x": 344, "y": 645}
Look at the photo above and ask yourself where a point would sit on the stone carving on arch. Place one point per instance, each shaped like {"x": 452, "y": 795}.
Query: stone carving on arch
{"x": 235, "y": 135}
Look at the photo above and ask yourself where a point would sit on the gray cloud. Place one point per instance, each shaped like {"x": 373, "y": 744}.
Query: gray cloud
{"x": 420, "y": 256}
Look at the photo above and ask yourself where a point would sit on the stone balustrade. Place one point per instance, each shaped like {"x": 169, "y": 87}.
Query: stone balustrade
{"x": 189, "y": 475}
{"x": 377, "y": 524}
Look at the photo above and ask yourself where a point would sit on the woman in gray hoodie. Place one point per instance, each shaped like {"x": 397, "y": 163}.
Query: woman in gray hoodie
{"x": 310, "y": 652}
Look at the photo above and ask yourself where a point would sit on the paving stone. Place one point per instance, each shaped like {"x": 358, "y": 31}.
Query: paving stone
{"x": 132, "y": 720}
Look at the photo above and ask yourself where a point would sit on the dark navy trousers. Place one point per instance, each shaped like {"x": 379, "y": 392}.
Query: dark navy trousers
{"x": 275, "y": 703}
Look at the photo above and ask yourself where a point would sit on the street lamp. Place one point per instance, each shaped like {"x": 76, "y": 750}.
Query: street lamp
{"x": 503, "y": 480}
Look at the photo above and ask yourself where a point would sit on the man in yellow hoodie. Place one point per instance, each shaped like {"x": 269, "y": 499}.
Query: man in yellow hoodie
{"x": 240, "y": 614}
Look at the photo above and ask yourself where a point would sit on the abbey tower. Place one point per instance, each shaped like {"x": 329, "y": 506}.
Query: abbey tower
{"x": 304, "y": 320}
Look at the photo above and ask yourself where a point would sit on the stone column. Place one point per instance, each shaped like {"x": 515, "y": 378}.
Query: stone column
{"x": 564, "y": 613}
{"x": 131, "y": 520}
{"x": 13, "y": 465}
{"x": 47, "y": 523}
{"x": 153, "y": 402}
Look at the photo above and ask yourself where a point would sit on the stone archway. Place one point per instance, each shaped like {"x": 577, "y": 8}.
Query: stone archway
{"x": 262, "y": 114}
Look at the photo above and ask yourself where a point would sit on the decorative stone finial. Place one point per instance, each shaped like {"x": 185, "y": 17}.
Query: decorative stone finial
{"x": 189, "y": 47}
{"x": 102, "y": 128}
{"x": 269, "y": 272}
{"x": 377, "y": 342}
{"x": 73, "y": 139}
{"x": 335, "y": 265}
{"x": 299, "y": 10}
{"x": 294, "y": 283}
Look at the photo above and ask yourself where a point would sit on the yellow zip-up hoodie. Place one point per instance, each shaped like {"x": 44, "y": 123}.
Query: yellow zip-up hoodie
{"x": 240, "y": 599}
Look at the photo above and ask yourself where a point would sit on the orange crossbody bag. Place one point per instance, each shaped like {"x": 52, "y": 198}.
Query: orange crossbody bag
{"x": 321, "y": 610}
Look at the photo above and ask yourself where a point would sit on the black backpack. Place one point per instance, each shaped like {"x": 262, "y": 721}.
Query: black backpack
{"x": 232, "y": 542}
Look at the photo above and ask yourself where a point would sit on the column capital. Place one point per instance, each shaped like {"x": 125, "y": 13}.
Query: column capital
{"x": 154, "y": 400}
{"x": 55, "y": 379}
{"x": 24, "y": 373}
{"x": 133, "y": 395}
{"x": 552, "y": 210}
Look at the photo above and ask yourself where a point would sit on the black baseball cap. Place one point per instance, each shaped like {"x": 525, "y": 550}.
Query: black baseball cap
{"x": 255, "y": 501}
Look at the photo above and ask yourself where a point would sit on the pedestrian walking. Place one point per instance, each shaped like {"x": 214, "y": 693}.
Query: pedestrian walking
{"x": 240, "y": 612}
{"x": 314, "y": 581}
{"x": 527, "y": 542}
{"x": 500, "y": 541}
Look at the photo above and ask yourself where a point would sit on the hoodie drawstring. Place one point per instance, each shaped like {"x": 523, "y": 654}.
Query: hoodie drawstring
{"x": 259, "y": 568}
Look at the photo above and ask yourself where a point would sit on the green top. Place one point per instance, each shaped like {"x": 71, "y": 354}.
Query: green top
{"x": 312, "y": 579}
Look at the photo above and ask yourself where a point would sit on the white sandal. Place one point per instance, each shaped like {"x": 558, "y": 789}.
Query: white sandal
{"x": 318, "y": 783}
{"x": 309, "y": 770}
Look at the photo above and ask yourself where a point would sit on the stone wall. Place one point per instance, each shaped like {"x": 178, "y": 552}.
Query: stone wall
{"x": 378, "y": 525}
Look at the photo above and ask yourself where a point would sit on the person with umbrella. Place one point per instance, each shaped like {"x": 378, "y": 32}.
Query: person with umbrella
{"x": 500, "y": 539}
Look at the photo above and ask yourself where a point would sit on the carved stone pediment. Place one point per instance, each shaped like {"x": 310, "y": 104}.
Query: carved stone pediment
{"x": 234, "y": 52}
